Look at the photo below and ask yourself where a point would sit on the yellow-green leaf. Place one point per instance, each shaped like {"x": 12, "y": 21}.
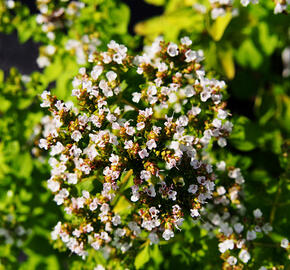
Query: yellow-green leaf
{"x": 122, "y": 205}
{"x": 156, "y": 2}
{"x": 227, "y": 61}
{"x": 171, "y": 24}
{"x": 219, "y": 26}
{"x": 142, "y": 257}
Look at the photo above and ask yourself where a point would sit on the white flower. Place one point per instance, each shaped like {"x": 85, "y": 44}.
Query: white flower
{"x": 172, "y": 195}
{"x": 221, "y": 166}
{"x": 99, "y": 267}
{"x": 53, "y": 185}
{"x": 225, "y": 245}
{"x": 94, "y": 204}
{"x": 232, "y": 260}
{"x": 45, "y": 99}
{"x": 193, "y": 189}
{"x": 50, "y": 49}
{"x": 222, "y": 142}
{"x": 111, "y": 75}
{"x": 136, "y": 97}
{"x": 91, "y": 151}
{"x": 194, "y": 111}
{"x": 59, "y": 198}
{"x": 284, "y": 243}
{"x": 251, "y": 235}
{"x": 43, "y": 144}
{"x": 217, "y": 12}
{"x": 189, "y": 91}
{"x": 204, "y": 95}
{"x": 200, "y": 8}
{"x": 222, "y": 114}
{"x": 76, "y": 135}
{"x": 96, "y": 245}
{"x": 221, "y": 190}
{"x": 245, "y": 2}
{"x": 128, "y": 144}
{"x": 190, "y": 56}
{"x": 72, "y": 178}
{"x": 186, "y": 41}
{"x": 244, "y": 256}
{"x": 43, "y": 61}
{"x": 140, "y": 126}
{"x": 147, "y": 112}
{"x": 96, "y": 72}
{"x": 194, "y": 213}
{"x": 182, "y": 121}
{"x": 82, "y": 71}
{"x": 57, "y": 149}
{"x": 143, "y": 153}
{"x": 116, "y": 220}
{"x": 257, "y": 213}
{"x": 167, "y": 234}
{"x": 135, "y": 197}
{"x": 217, "y": 123}
{"x": 145, "y": 175}
{"x": 151, "y": 191}
{"x": 10, "y": 4}
{"x": 151, "y": 144}
{"x": 239, "y": 227}
{"x": 267, "y": 228}
{"x": 172, "y": 49}
{"x": 154, "y": 239}
{"x": 50, "y": 35}
{"x": 114, "y": 159}
{"x": 151, "y": 91}
{"x": 129, "y": 130}
{"x": 279, "y": 8}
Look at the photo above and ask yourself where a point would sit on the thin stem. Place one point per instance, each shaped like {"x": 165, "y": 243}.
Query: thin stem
{"x": 265, "y": 244}
{"x": 275, "y": 204}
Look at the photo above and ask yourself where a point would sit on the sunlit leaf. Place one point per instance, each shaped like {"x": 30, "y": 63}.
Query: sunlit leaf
{"x": 142, "y": 257}
{"x": 219, "y": 26}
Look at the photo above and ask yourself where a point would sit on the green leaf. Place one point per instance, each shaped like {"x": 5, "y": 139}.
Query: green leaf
{"x": 123, "y": 204}
{"x": 226, "y": 58}
{"x": 5, "y": 104}
{"x": 171, "y": 24}
{"x": 1, "y": 76}
{"x": 248, "y": 55}
{"x": 121, "y": 16}
{"x": 86, "y": 184}
{"x": 156, "y": 255}
{"x": 245, "y": 134}
{"x": 219, "y": 26}
{"x": 142, "y": 257}
{"x": 268, "y": 42}
{"x": 156, "y": 2}
{"x": 24, "y": 165}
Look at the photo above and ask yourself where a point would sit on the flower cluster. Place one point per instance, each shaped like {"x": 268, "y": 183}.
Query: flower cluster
{"x": 227, "y": 217}
{"x": 137, "y": 139}
{"x": 219, "y": 8}
{"x": 52, "y": 18}
{"x": 280, "y": 5}
{"x": 81, "y": 48}
{"x": 84, "y": 47}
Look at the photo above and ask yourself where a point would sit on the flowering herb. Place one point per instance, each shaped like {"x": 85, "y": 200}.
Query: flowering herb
{"x": 138, "y": 135}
